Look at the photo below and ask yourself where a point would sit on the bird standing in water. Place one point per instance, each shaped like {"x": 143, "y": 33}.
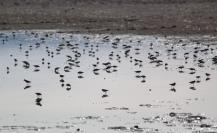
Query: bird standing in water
{"x": 172, "y": 87}
{"x": 105, "y": 91}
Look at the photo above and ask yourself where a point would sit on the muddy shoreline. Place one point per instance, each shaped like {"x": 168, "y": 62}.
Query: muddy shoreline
{"x": 145, "y": 17}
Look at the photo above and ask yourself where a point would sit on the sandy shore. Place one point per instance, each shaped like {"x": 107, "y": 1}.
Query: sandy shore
{"x": 112, "y": 16}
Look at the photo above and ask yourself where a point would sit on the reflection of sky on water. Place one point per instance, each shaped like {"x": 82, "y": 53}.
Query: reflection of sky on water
{"x": 85, "y": 97}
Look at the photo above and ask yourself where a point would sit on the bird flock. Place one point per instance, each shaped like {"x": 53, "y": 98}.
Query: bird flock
{"x": 117, "y": 52}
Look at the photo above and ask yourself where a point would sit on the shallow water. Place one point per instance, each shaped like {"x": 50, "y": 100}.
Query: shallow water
{"x": 65, "y": 73}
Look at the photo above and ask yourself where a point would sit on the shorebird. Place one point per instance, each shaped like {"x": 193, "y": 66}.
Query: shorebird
{"x": 172, "y": 114}
{"x": 36, "y": 66}
{"x": 38, "y": 94}
{"x": 96, "y": 69}
{"x": 15, "y": 60}
{"x": 107, "y": 63}
{"x": 181, "y": 67}
{"x": 138, "y": 76}
{"x": 38, "y": 101}
{"x": 192, "y": 69}
{"x": 104, "y": 90}
{"x": 192, "y": 82}
{"x": 26, "y": 64}
{"x": 27, "y": 81}
{"x": 198, "y": 79}
{"x": 193, "y": 72}
{"x": 104, "y": 96}
{"x": 80, "y": 72}
{"x": 68, "y": 87}
{"x": 56, "y": 70}
{"x": 143, "y": 76}
{"x": 207, "y": 79}
{"x": 62, "y": 80}
{"x": 207, "y": 74}
{"x": 8, "y": 70}
{"x": 173, "y": 84}
{"x": 62, "y": 85}
{"x": 67, "y": 68}
{"x": 26, "y": 87}
{"x": 138, "y": 71}
{"x": 172, "y": 87}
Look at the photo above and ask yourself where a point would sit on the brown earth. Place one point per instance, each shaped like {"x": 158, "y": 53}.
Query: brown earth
{"x": 112, "y": 16}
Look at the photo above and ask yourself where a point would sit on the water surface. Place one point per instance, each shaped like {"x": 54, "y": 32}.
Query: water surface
{"x": 52, "y": 82}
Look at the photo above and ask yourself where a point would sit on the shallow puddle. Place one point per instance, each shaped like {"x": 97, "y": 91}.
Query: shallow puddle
{"x": 62, "y": 82}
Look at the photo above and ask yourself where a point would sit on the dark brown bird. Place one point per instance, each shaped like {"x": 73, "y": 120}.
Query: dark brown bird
{"x": 68, "y": 87}
{"x": 104, "y": 90}
{"x": 207, "y": 74}
{"x": 173, "y": 84}
{"x": 27, "y": 81}
{"x": 38, "y": 94}
{"x": 192, "y": 82}
{"x": 56, "y": 70}
{"x": 26, "y": 87}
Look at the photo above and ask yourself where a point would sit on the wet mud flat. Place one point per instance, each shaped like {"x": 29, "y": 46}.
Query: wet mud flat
{"x": 145, "y": 17}
{"x": 64, "y": 82}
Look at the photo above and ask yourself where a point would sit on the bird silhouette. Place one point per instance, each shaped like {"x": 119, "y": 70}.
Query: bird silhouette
{"x": 38, "y": 94}
{"x": 56, "y": 70}
{"x": 27, "y": 81}
{"x": 68, "y": 87}
{"x": 173, "y": 84}
{"x": 105, "y": 91}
